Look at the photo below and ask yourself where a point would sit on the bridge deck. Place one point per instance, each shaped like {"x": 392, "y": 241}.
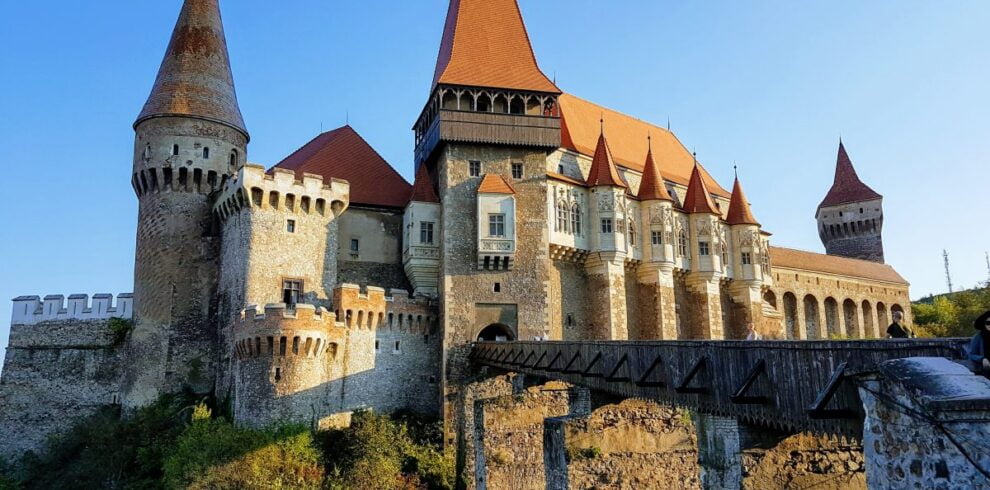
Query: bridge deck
{"x": 788, "y": 385}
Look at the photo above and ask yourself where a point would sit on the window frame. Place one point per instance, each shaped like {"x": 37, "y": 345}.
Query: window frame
{"x": 426, "y": 231}
{"x": 607, "y": 225}
{"x": 474, "y": 168}
{"x": 290, "y": 226}
{"x": 294, "y": 293}
{"x": 517, "y": 170}
{"x": 496, "y": 225}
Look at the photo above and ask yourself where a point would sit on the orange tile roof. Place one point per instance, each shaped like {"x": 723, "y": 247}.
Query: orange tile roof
{"x": 423, "y": 187}
{"x": 485, "y": 44}
{"x": 195, "y": 78}
{"x": 580, "y": 128}
{"x": 739, "y": 211}
{"x": 847, "y": 187}
{"x": 494, "y": 184}
{"x": 816, "y": 262}
{"x": 697, "y": 199}
{"x": 564, "y": 178}
{"x": 651, "y": 186}
{"x": 603, "y": 170}
{"x": 344, "y": 154}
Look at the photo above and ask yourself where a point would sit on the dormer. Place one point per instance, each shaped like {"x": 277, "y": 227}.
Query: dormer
{"x": 496, "y": 223}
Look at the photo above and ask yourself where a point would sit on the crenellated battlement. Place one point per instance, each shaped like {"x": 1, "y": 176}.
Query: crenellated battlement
{"x": 410, "y": 314}
{"x": 29, "y": 310}
{"x": 360, "y": 309}
{"x": 304, "y": 330}
{"x": 279, "y": 190}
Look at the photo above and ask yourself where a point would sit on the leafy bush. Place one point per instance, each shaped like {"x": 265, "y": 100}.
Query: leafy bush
{"x": 950, "y": 315}
{"x": 119, "y": 328}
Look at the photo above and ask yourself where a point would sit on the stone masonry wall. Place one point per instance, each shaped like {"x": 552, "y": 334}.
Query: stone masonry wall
{"x": 806, "y": 461}
{"x": 54, "y": 374}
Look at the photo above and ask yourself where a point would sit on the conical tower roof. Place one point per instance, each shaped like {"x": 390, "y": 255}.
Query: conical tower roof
{"x": 423, "y": 187}
{"x": 651, "y": 186}
{"x": 847, "y": 187}
{"x": 194, "y": 79}
{"x": 697, "y": 199}
{"x": 603, "y": 171}
{"x": 739, "y": 211}
{"x": 485, "y": 44}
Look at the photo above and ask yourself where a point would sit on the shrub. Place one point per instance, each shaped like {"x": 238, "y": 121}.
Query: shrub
{"x": 214, "y": 454}
{"x": 119, "y": 328}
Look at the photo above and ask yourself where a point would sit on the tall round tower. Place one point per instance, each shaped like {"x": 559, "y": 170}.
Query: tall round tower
{"x": 850, "y": 218}
{"x": 190, "y": 137}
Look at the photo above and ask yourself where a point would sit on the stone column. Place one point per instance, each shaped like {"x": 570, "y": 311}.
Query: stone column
{"x": 800, "y": 322}
{"x": 862, "y": 324}
{"x": 708, "y": 306}
{"x": 656, "y": 301}
{"x": 719, "y": 452}
{"x": 822, "y": 326}
{"x": 747, "y": 295}
{"x": 606, "y": 284}
{"x": 555, "y": 438}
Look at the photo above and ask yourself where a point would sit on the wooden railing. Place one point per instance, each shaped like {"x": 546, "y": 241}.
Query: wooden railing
{"x": 788, "y": 385}
{"x": 489, "y": 128}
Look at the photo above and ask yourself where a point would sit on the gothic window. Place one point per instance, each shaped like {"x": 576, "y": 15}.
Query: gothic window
{"x": 747, "y": 258}
{"x": 681, "y": 244}
{"x": 632, "y": 233}
{"x": 703, "y": 248}
{"x": 576, "y": 219}
{"x": 517, "y": 171}
{"x": 725, "y": 255}
{"x": 765, "y": 262}
{"x": 496, "y": 225}
{"x": 426, "y": 232}
{"x": 562, "y": 217}
{"x": 291, "y": 292}
{"x": 475, "y": 168}
{"x": 606, "y": 225}
{"x": 656, "y": 237}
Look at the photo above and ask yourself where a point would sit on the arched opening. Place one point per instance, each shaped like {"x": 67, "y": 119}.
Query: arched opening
{"x": 811, "y": 317}
{"x": 534, "y": 106}
{"x": 500, "y": 104}
{"x": 882, "y": 321}
{"x": 516, "y": 105}
{"x": 849, "y": 314}
{"x": 770, "y": 298}
{"x": 832, "y": 317}
{"x": 496, "y": 332}
{"x": 466, "y": 102}
{"x": 449, "y": 100}
{"x": 790, "y": 316}
{"x": 484, "y": 103}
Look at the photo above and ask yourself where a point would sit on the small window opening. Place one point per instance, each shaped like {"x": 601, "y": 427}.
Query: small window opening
{"x": 291, "y": 292}
{"x": 475, "y": 168}
{"x": 206, "y": 152}
{"x": 290, "y": 226}
{"x": 278, "y": 374}
{"x": 517, "y": 170}
{"x": 355, "y": 246}
{"x": 570, "y": 320}
{"x": 498, "y": 287}
{"x": 560, "y": 169}
{"x": 377, "y": 346}
{"x": 396, "y": 349}
{"x": 175, "y": 150}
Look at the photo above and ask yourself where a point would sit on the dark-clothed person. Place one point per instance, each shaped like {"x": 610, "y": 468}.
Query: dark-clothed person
{"x": 979, "y": 345}
{"x": 896, "y": 330}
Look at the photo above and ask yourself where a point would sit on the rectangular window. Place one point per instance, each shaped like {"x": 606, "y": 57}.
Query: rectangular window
{"x": 290, "y": 226}
{"x": 517, "y": 171}
{"x": 657, "y": 237}
{"x": 747, "y": 258}
{"x": 377, "y": 348}
{"x": 496, "y": 225}
{"x": 291, "y": 292}
{"x": 355, "y": 245}
{"x": 396, "y": 350}
{"x": 606, "y": 225}
{"x": 426, "y": 232}
{"x": 475, "y": 168}
{"x": 703, "y": 248}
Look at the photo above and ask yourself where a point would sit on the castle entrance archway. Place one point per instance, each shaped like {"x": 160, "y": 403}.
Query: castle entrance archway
{"x": 496, "y": 332}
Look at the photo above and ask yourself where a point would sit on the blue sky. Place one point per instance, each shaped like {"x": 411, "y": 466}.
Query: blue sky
{"x": 769, "y": 85}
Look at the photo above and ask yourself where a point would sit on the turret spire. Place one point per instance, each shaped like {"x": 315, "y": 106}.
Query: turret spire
{"x": 739, "y": 211}
{"x": 651, "y": 186}
{"x": 698, "y": 199}
{"x": 423, "y": 187}
{"x": 603, "y": 171}
{"x": 195, "y": 79}
{"x": 847, "y": 187}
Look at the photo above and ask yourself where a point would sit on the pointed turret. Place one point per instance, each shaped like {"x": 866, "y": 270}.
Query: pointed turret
{"x": 485, "y": 44}
{"x": 603, "y": 171}
{"x": 194, "y": 79}
{"x": 423, "y": 187}
{"x": 847, "y": 187}
{"x": 739, "y": 211}
{"x": 697, "y": 199}
{"x": 651, "y": 187}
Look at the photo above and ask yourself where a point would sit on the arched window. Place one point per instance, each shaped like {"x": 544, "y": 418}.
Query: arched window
{"x": 725, "y": 255}
{"x": 632, "y": 232}
{"x": 233, "y": 158}
{"x": 682, "y": 241}
{"x": 576, "y": 219}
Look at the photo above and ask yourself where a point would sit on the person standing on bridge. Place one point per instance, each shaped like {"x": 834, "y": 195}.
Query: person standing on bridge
{"x": 896, "y": 330}
{"x": 751, "y": 333}
{"x": 979, "y": 346}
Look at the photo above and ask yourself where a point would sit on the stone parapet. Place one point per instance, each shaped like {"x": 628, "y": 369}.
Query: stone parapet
{"x": 29, "y": 310}
{"x": 253, "y": 187}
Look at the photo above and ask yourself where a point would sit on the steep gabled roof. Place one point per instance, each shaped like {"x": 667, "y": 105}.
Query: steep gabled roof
{"x": 485, "y": 44}
{"x": 651, "y": 185}
{"x": 580, "y": 127}
{"x": 847, "y": 187}
{"x": 815, "y": 262}
{"x": 194, "y": 79}
{"x": 603, "y": 171}
{"x": 342, "y": 153}
{"x": 423, "y": 187}
{"x": 739, "y": 211}
{"x": 495, "y": 184}
{"x": 697, "y": 199}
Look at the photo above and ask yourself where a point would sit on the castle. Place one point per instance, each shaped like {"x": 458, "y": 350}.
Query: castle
{"x": 327, "y": 283}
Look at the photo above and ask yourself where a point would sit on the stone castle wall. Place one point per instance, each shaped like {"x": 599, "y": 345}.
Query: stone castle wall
{"x": 378, "y": 260}
{"x": 55, "y": 373}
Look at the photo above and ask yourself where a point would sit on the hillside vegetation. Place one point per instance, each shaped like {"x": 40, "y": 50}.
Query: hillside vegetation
{"x": 950, "y": 315}
{"x": 181, "y": 443}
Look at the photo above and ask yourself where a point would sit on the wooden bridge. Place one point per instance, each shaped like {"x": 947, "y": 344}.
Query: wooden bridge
{"x": 791, "y": 386}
